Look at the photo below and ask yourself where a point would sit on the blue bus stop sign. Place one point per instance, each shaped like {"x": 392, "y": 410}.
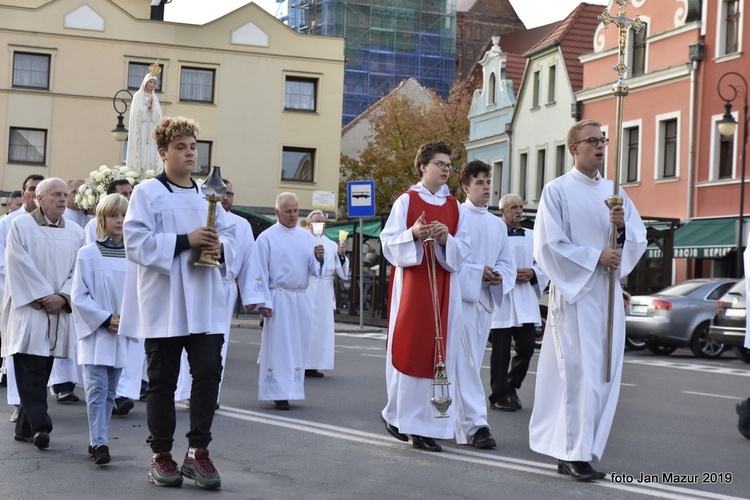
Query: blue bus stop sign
{"x": 360, "y": 198}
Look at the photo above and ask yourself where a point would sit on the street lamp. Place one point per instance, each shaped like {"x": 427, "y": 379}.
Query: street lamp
{"x": 727, "y": 126}
{"x": 120, "y": 132}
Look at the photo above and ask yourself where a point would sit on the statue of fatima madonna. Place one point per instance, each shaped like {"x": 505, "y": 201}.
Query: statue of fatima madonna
{"x": 145, "y": 113}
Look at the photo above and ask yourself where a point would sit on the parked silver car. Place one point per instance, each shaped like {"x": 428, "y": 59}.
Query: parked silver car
{"x": 678, "y": 316}
{"x": 632, "y": 344}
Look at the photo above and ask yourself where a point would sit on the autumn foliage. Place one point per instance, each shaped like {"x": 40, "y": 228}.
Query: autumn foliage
{"x": 399, "y": 127}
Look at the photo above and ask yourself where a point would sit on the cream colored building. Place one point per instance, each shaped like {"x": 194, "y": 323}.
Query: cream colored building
{"x": 268, "y": 100}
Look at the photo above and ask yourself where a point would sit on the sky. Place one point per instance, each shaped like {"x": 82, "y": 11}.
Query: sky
{"x": 533, "y": 13}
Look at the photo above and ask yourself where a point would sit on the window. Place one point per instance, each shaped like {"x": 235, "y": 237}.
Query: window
{"x": 27, "y": 145}
{"x": 497, "y": 181}
{"x": 203, "y": 165}
{"x": 631, "y": 154}
{"x": 136, "y": 72}
{"x": 541, "y": 159}
{"x": 731, "y": 26}
{"x": 668, "y": 156}
{"x": 300, "y": 94}
{"x": 297, "y": 164}
{"x": 197, "y": 85}
{"x": 726, "y": 156}
{"x": 551, "y": 83}
{"x": 537, "y": 84}
{"x": 31, "y": 70}
{"x": 638, "y": 59}
{"x": 523, "y": 164}
{"x": 492, "y": 90}
{"x": 560, "y": 153}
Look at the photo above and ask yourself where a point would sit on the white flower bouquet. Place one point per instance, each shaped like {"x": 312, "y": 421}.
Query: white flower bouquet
{"x": 95, "y": 186}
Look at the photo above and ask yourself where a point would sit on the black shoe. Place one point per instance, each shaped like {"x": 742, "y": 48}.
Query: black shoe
{"x": 122, "y": 406}
{"x": 282, "y": 405}
{"x": 67, "y": 397}
{"x": 23, "y": 439}
{"x": 503, "y": 404}
{"x": 743, "y": 410}
{"x": 425, "y": 443}
{"x": 313, "y": 374}
{"x": 483, "y": 439}
{"x": 580, "y": 471}
{"x": 393, "y": 430}
{"x": 91, "y": 452}
{"x": 515, "y": 401}
{"x": 41, "y": 440}
{"x": 101, "y": 455}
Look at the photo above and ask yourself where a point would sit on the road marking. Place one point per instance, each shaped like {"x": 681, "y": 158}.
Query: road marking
{"x": 712, "y": 395}
{"x": 457, "y": 454}
{"x": 374, "y": 355}
{"x": 690, "y": 367}
{"x": 367, "y": 335}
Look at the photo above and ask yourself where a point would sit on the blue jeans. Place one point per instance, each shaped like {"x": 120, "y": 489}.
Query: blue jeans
{"x": 100, "y": 383}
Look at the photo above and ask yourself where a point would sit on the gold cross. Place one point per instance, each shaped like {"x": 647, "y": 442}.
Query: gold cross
{"x": 623, "y": 24}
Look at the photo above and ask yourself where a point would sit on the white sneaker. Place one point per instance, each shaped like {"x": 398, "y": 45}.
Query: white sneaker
{"x": 14, "y": 416}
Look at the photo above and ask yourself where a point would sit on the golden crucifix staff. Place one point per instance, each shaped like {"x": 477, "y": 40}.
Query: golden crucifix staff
{"x": 620, "y": 90}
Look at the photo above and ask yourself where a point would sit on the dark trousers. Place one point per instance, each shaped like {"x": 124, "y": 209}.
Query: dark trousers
{"x": 63, "y": 387}
{"x": 32, "y": 374}
{"x": 503, "y": 381}
{"x": 163, "y": 358}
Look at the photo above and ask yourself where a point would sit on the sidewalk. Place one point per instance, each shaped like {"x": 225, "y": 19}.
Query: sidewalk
{"x": 350, "y": 325}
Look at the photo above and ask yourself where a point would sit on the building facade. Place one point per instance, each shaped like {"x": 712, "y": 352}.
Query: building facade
{"x": 268, "y": 102}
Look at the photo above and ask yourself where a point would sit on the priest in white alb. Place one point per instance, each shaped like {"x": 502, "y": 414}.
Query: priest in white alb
{"x": 40, "y": 256}
{"x": 486, "y": 277}
{"x": 425, "y": 215}
{"x": 284, "y": 258}
{"x": 322, "y": 296}
{"x": 574, "y": 404}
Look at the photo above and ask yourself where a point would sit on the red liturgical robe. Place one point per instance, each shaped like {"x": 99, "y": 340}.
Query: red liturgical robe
{"x": 414, "y": 331}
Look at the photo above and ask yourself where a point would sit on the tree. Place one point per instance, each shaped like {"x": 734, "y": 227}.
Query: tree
{"x": 399, "y": 128}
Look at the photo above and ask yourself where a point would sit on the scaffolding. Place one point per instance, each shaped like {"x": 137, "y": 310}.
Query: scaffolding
{"x": 386, "y": 42}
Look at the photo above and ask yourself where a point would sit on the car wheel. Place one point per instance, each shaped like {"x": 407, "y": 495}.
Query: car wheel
{"x": 702, "y": 346}
{"x": 539, "y": 333}
{"x": 635, "y": 344}
{"x": 660, "y": 350}
{"x": 743, "y": 354}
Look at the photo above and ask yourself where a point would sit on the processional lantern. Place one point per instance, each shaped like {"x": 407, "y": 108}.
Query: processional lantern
{"x": 213, "y": 188}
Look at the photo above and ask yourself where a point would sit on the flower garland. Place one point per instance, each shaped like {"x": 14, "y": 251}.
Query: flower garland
{"x": 96, "y": 185}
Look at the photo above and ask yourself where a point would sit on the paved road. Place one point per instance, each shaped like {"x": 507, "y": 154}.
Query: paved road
{"x": 676, "y": 415}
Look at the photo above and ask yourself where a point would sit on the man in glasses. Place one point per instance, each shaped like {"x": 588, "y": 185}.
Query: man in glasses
{"x": 424, "y": 217}
{"x": 574, "y": 405}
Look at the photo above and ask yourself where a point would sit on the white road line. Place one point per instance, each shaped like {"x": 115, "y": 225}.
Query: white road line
{"x": 690, "y": 367}
{"x": 374, "y": 355}
{"x": 712, "y": 395}
{"x": 460, "y": 455}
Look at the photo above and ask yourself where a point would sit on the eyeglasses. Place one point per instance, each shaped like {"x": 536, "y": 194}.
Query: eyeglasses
{"x": 445, "y": 167}
{"x": 594, "y": 141}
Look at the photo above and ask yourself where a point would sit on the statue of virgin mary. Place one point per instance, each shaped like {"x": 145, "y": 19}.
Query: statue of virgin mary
{"x": 145, "y": 113}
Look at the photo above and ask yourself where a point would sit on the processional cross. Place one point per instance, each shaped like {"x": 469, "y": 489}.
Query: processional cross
{"x": 620, "y": 90}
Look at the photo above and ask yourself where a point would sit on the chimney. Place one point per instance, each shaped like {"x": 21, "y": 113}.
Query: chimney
{"x": 157, "y": 9}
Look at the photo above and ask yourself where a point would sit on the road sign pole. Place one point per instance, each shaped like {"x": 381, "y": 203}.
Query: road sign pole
{"x": 361, "y": 277}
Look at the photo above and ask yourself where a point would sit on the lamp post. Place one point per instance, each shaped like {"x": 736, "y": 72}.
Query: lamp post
{"x": 120, "y": 132}
{"x": 727, "y": 127}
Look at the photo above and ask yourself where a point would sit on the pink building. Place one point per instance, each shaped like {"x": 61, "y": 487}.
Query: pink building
{"x": 674, "y": 162}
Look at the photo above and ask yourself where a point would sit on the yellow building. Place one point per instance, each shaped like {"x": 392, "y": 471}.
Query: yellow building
{"x": 268, "y": 99}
